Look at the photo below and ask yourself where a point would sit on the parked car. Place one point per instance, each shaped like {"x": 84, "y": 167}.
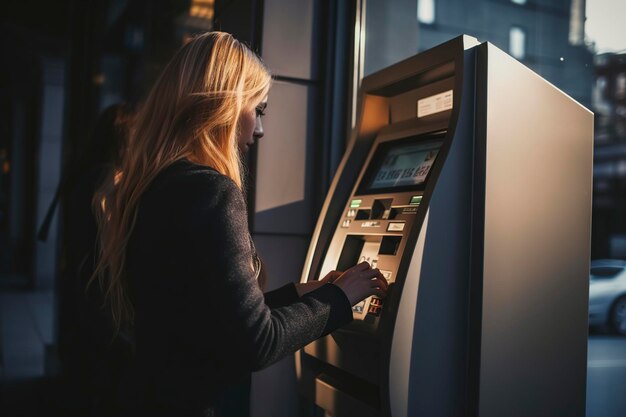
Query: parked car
{"x": 607, "y": 294}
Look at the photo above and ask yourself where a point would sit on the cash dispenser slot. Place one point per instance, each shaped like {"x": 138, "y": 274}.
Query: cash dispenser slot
{"x": 359, "y": 248}
{"x": 350, "y": 253}
{"x": 381, "y": 208}
{"x": 362, "y": 214}
{"x": 393, "y": 213}
{"x": 389, "y": 245}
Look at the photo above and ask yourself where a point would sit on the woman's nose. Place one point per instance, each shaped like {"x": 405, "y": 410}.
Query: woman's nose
{"x": 258, "y": 128}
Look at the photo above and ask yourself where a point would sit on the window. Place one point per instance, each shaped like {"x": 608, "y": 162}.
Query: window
{"x": 599, "y": 97}
{"x": 426, "y": 11}
{"x": 620, "y": 85}
{"x": 517, "y": 42}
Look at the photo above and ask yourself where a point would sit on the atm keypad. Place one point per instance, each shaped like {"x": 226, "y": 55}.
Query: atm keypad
{"x": 376, "y": 301}
{"x": 374, "y": 310}
{"x": 376, "y": 305}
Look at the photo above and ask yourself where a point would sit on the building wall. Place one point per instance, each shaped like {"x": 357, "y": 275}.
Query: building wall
{"x": 284, "y": 203}
{"x": 49, "y": 174}
{"x": 609, "y": 103}
{"x": 546, "y": 23}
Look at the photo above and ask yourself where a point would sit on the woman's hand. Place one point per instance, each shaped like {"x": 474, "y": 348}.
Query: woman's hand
{"x": 331, "y": 277}
{"x": 361, "y": 281}
{"x": 358, "y": 283}
{"x": 313, "y": 285}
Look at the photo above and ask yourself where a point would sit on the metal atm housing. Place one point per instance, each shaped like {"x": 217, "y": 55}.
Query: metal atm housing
{"x": 467, "y": 181}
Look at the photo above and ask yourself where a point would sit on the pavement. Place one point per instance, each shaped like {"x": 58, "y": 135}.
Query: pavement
{"x": 26, "y": 328}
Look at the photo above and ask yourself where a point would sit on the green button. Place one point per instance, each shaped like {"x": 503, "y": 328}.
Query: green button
{"x": 416, "y": 199}
{"x": 355, "y": 203}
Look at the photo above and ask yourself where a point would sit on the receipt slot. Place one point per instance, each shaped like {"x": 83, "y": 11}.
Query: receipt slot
{"x": 467, "y": 182}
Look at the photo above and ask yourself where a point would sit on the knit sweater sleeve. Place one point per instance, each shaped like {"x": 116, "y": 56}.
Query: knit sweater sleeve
{"x": 256, "y": 333}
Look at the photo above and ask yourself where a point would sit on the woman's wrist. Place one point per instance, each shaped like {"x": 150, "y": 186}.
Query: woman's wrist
{"x": 307, "y": 287}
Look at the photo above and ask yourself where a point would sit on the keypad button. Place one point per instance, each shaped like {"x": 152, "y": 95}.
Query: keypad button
{"x": 376, "y": 302}
{"x": 375, "y": 310}
{"x": 359, "y": 307}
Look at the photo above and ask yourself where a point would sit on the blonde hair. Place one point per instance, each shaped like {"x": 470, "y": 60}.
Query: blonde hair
{"x": 191, "y": 113}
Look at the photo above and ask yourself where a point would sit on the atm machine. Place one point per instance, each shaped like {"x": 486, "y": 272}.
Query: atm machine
{"x": 467, "y": 182}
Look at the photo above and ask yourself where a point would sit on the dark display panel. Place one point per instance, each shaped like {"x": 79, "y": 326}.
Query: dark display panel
{"x": 401, "y": 165}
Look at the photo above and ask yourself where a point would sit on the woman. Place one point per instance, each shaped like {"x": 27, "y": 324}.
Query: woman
{"x": 176, "y": 259}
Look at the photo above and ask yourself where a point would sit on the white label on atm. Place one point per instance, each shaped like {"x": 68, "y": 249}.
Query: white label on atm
{"x": 434, "y": 104}
{"x": 395, "y": 227}
{"x": 370, "y": 224}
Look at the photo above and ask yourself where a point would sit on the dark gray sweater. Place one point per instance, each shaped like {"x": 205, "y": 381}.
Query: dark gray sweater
{"x": 201, "y": 321}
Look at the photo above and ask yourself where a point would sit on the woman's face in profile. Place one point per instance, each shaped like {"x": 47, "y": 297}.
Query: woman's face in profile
{"x": 251, "y": 126}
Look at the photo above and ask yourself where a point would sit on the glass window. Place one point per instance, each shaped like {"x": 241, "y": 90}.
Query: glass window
{"x": 426, "y": 11}
{"x": 620, "y": 85}
{"x": 517, "y": 42}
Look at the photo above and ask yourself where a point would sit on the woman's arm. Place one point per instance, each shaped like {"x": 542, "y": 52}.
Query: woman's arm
{"x": 282, "y": 296}
{"x": 252, "y": 332}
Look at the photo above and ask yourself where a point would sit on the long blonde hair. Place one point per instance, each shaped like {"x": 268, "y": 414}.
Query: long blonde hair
{"x": 191, "y": 113}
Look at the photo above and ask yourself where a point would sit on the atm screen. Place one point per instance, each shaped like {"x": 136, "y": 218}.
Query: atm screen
{"x": 400, "y": 165}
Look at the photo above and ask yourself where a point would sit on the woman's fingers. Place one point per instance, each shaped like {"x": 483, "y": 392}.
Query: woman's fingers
{"x": 369, "y": 273}
{"x": 363, "y": 266}
{"x": 377, "y": 275}
{"x": 376, "y": 280}
{"x": 382, "y": 288}
{"x": 383, "y": 281}
{"x": 362, "y": 281}
{"x": 380, "y": 293}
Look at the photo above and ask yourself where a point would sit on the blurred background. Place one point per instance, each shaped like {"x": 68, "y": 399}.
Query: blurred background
{"x": 64, "y": 62}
